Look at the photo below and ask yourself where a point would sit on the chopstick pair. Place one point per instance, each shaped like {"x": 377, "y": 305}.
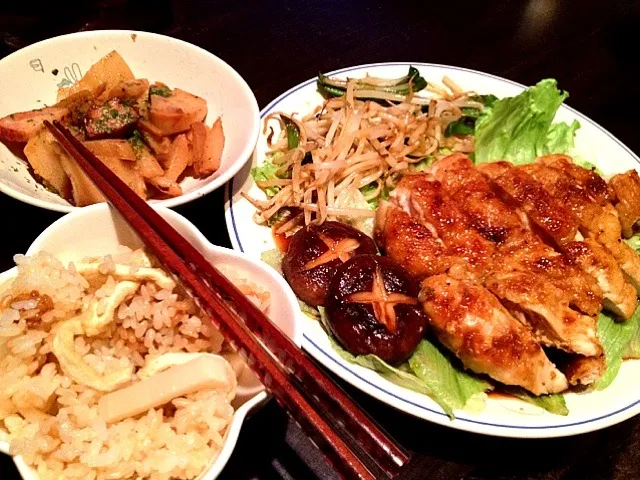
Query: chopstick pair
{"x": 297, "y": 383}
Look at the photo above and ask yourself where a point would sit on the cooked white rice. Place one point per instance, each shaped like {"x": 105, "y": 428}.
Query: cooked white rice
{"x": 52, "y": 420}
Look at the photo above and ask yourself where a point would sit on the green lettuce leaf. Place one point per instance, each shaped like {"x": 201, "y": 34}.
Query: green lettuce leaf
{"x": 400, "y": 375}
{"x": 309, "y": 311}
{"x": 578, "y": 160}
{"x": 551, "y": 403}
{"x": 273, "y": 258}
{"x": 634, "y": 242}
{"x": 633, "y": 348}
{"x": 616, "y": 338}
{"x": 422, "y": 165}
{"x": 355, "y": 199}
{"x": 374, "y": 202}
{"x": 267, "y": 171}
{"x": 519, "y": 128}
{"x": 426, "y": 162}
{"x": 486, "y": 100}
{"x": 451, "y": 386}
{"x": 560, "y": 138}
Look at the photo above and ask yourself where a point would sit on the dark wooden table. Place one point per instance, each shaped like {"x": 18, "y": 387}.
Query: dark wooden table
{"x": 590, "y": 47}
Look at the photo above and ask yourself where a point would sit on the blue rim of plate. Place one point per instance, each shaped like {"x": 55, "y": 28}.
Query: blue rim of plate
{"x": 229, "y": 195}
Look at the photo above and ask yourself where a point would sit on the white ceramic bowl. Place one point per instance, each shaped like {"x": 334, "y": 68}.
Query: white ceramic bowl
{"x": 68, "y": 240}
{"x": 31, "y": 76}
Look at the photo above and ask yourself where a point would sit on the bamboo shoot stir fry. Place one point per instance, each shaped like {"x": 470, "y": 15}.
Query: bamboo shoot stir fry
{"x": 338, "y": 161}
{"x": 150, "y": 135}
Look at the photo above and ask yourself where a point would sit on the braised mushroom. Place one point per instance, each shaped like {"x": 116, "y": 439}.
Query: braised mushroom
{"x": 372, "y": 307}
{"x": 314, "y": 254}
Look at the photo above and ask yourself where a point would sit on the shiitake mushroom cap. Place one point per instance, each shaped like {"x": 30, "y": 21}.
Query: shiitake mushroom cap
{"x": 359, "y": 326}
{"x": 307, "y": 245}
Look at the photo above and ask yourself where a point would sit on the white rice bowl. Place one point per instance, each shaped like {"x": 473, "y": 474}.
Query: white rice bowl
{"x": 50, "y": 419}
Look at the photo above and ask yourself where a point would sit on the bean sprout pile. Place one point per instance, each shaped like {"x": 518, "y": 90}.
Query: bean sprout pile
{"x": 336, "y": 162}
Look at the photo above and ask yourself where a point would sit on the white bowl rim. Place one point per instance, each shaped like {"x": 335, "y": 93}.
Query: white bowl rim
{"x": 218, "y": 182}
{"x": 233, "y": 430}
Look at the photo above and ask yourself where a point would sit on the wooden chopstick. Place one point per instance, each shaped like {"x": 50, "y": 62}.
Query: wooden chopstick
{"x": 237, "y": 317}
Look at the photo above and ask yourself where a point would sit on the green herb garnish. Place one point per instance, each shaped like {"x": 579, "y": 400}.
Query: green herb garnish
{"x": 160, "y": 90}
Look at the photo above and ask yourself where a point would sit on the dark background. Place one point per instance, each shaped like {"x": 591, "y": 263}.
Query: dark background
{"x": 590, "y": 47}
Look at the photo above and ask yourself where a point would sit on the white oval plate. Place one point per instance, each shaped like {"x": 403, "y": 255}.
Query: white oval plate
{"x": 501, "y": 417}
{"x": 29, "y": 82}
{"x": 68, "y": 240}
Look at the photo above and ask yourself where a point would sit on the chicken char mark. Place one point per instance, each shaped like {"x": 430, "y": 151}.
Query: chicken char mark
{"x": 519, "y": 248}
{"x": 489, "y": 245}
{"x": 626, "y": 187}
{"x": 558, "y": 222}
{"x": 425, "y": 199}
{"x": 598, "y": 220}
{"x": 497, "y": 345}
{"x": 409, "y": 243}
{"x": 589, "y": 180}
{"x": 516, "y": 187}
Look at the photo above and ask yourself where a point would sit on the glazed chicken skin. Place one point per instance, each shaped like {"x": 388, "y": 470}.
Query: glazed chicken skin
{"x": 589, "y": 202}
{"x": 516, "y": 187}
{"x": 620, "y": 297}
{"x": 422, "y": 196}
{"x": 419, "y": 200}
{"x": 558, "y": 222}
{"x": 588, "y": 180}
{"x": 519, "y": 248}
{"x": 530, "y": 253}
{"x": 472, "y": 323}
{"x": 538, "y": 304}
{"x": 483, "y": 261}
{"x": 626, "y": 188}
{"x": 409, "y": 242}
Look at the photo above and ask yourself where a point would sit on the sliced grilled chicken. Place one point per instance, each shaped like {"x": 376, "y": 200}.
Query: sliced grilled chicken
{"x": 606, "y": 230}
{"x": 423, "y": 198}
{"x": 626, "y": 187}
{"x": 581, "y": 370}
{"x": 536, "y": 283}
{"x": 620, "y": 297}
{"x": 559, "y": 223}
{"x": 472, "y": 323}
{"x": 518, "y": 247}
{"x": 541, "y": 305}
{"x": 592, "y": 183}
{"x": 409, "y": 243}
{"x": 548, "y": 213}
{"x": 598, "y": 219}
{"x": 580, "y": 290}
